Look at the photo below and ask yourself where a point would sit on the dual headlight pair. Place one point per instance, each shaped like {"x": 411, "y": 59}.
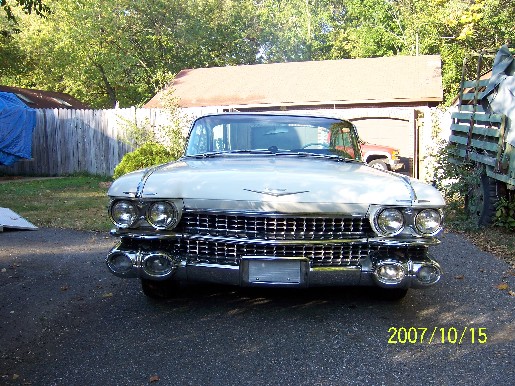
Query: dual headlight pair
{"x": 392, "y": 221}
{"x": 159, "y": 214}
{"x": 165, "y": 215}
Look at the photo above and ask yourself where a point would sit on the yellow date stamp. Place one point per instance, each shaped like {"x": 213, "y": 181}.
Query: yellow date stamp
{"x": 450, "y": 335}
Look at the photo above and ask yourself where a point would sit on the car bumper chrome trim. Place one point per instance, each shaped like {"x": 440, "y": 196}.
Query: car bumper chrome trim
{"x": 363, "y": 274}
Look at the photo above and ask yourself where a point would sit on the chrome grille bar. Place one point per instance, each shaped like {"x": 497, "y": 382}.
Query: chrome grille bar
{"x": 274, "y": 227}
{"x": 226, "y": 252}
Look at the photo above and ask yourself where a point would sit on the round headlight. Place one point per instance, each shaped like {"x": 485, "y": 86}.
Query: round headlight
{"x": 429, "y": 274}
{"x": 163, "y": 215}
{"x": 119, "y": 262}
{"x": 390, "y": 273}
{"x": 428, "y": 221}
{"x": 390, "y": 221}
{"x": 124, "y": 214}
{"x": 158, "y": 264}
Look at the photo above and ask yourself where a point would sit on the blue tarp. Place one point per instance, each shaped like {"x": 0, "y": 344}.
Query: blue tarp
{"x": 17, "y": 122}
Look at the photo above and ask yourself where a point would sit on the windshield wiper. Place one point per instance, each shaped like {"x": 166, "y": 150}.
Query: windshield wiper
{"x": 210, "y": 154}
{"x": 279, "y": 152}
{"x": 226, "y": 152}
{"x": 334, "y": 157}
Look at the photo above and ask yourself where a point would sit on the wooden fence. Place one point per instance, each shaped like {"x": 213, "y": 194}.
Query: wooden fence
{"x": 67, "y": 141}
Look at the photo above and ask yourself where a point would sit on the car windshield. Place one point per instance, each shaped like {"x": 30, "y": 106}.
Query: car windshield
{"x": 273, "y": 134}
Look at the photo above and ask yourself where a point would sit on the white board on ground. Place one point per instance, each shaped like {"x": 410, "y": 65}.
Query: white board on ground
{"x": 12, "y": 220}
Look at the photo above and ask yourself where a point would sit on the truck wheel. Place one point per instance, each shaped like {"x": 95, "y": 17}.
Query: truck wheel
{"x": 481, "y": 199}
{"x": 159, "y": 289}
{"x": 378, "y": 164}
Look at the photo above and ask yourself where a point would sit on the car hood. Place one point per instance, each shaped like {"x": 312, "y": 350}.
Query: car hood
{"x": 275, "y": 183}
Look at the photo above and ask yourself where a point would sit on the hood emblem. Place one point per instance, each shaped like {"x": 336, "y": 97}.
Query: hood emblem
{"x": 275, "y": 192}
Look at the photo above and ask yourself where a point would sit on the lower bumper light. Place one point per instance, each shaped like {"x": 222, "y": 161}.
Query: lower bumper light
{"x": 119, "y": 263}
{"x": 429, "y": 274}
{"x": 390, "y": 272}
{"x": 158, "y": 265}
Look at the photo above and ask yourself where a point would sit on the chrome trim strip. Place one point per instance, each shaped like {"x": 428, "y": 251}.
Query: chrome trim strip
{"x": 231, "y": 240}
{"x": 147, "y": 173}
{"x": 271, "y": 214}
{"x": 407, "y": 182}
{"x": 375, "y": 241}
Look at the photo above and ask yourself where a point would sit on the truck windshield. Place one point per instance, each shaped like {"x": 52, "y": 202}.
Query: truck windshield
{"x": 236, "y": 133}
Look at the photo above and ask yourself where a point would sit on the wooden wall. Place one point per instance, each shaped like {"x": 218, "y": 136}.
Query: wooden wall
{"x": 67, "y": 141}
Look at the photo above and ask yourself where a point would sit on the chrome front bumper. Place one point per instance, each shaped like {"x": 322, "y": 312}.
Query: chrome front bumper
{"x": 388, "y": 270}
{"x": 396, "y": 165}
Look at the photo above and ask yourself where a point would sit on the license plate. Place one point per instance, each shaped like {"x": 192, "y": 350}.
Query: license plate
{"x": 274, "y": 271}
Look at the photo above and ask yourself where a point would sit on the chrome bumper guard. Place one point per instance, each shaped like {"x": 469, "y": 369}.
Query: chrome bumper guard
{"x": 378, "y": 269}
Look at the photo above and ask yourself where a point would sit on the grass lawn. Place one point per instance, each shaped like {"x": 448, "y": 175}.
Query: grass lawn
{"x": 77, "y": 202}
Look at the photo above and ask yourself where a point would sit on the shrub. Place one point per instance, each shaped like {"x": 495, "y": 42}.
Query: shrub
{"x": 505, "y": 213}
{"x": 155, "y": 143}
{"x": 147, "y": 155}
{"x": 453, "y": 181}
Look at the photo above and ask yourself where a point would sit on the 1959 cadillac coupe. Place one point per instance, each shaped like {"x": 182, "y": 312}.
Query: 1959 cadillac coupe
{"x": 274, "y": 200}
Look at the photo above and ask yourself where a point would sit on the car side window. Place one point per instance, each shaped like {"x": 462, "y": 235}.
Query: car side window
{"x": 198, "y": 142}
{"x": 343, "y": 141}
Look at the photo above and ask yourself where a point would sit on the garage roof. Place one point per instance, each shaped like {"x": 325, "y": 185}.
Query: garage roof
{"x": 39, "y": 99}
{"x": 397, "y": 79}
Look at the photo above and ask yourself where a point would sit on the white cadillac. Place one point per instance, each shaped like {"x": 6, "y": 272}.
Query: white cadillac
{"x": 274, "y": 200}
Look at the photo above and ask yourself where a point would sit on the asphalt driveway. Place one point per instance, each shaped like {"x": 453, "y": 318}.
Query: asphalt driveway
{"x": 64, "y": 320}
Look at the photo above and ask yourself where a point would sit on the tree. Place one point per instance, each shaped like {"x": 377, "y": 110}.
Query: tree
{"x": 27, "y": 6}
{"x": 293, "y": 30}
{"x": 450, "y": 28}
{"x": 123, "y": 51}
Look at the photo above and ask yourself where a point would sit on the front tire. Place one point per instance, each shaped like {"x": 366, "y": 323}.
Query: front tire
{"x": 378, "y": 164}
{"x": 159, "y": 289}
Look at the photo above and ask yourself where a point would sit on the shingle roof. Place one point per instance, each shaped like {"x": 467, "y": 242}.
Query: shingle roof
{"x": 397, "y": 79}
{"x": 39, "y": 99}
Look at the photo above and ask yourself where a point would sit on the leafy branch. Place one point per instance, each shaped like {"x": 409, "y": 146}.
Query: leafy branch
{"x": 27, "y": 6}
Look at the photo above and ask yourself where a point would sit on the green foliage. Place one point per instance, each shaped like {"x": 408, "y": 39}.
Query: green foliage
{"x": 123, "y": 51}
{"x": 170, "y": 136}
{"x": 155, "y": 144}
{"x": 505, "y": 213}
{"x": 149, "y": 154}
{"x": 453, "y": 179}
{"x": 448, "y": 174}
{"x": 27, "y": 6}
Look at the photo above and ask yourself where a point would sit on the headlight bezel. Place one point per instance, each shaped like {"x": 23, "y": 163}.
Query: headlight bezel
{"x": 412, "y": 217}
{"x": 172, "y": 219}
{"x": 140, "y": 213}
{"x": 117, "y": 219}
{"x": 380, "y": 218}
{"x": 436, "y": 229}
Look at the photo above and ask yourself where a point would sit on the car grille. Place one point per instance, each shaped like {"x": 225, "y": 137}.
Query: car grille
{"x": 275, "y": 227}
{"x": 320, "y": 255}
{"x": 220, "y": 238}
{"x": 223, "y": 252}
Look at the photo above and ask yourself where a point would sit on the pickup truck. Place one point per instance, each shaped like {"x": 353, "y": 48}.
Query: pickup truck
{"x": 381, "y": 157}
{"x": 483, "y": 132}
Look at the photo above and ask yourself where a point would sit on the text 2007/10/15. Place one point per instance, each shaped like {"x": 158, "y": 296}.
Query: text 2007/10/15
{"x": 452, "y": 335}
